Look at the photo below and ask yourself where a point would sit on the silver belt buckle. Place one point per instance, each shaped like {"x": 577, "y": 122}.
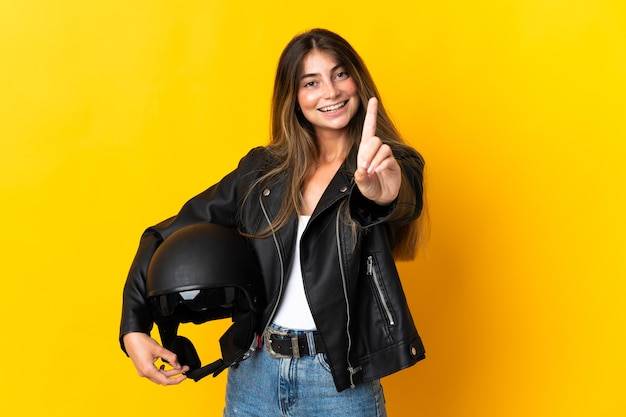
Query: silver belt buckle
{"x": 295, "y": 349}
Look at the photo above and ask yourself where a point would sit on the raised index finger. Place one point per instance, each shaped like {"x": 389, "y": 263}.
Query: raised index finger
{"x": 369, "y": 125}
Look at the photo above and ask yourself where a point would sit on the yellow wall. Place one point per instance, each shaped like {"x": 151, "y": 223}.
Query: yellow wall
{"x": 113, "y": 113}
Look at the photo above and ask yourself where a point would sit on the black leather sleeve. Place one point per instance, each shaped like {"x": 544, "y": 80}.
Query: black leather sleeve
{"x": 136, "y": 316}
{"x": 218, "y": 204}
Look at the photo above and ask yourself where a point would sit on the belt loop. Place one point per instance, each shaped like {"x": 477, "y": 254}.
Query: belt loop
{"x": 310, "y": 338}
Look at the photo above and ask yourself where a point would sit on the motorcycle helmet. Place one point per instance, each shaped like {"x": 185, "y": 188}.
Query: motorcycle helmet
{"x": 199, "y": 273}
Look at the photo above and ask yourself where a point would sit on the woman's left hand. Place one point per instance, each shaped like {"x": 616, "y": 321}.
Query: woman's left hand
{"x": 378, "y": 174}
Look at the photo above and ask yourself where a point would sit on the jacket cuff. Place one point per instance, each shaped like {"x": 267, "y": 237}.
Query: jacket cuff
{"x": 366, "y": 212}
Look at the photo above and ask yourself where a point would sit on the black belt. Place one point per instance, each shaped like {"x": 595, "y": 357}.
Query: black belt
{"x": 295, "y": 346}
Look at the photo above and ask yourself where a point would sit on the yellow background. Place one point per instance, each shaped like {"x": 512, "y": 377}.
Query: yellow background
{"x": 113, "y": 113}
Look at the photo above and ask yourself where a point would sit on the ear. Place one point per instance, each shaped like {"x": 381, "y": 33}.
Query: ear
{"x": 187, "y": 355}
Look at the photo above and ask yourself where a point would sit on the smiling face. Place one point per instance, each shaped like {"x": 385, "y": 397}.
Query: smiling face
{"x": 327, "y": 94}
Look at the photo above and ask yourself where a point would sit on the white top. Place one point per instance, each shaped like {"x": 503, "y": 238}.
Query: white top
{"x": 294, "y": 312}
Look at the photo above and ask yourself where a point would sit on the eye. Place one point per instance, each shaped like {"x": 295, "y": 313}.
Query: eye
{"x": 342, "y": 75}
{"x": 309, "y": 84}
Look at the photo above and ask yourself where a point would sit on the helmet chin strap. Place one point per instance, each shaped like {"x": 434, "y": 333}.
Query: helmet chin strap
{"x": 232, "y": 343}
{"x": 232, "y": 350}
{"x": 214, "y": 368}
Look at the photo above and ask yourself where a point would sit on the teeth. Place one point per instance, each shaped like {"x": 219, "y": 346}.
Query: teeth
{"x": 335, "y": 107}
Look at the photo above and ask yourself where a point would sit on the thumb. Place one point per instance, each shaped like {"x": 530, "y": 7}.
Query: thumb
{"x": 170, "y": 357}
{"x": 360, "y": 175}
{"x": 365, "y": 182}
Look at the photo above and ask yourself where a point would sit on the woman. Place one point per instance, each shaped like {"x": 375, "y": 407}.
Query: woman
{"x": 327, "y": 205}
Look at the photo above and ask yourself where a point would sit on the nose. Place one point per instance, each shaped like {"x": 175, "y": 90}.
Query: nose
{"x": 332, "y": 90}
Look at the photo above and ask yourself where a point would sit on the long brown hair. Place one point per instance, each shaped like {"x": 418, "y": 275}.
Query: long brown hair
{"x": 292, "y": 141}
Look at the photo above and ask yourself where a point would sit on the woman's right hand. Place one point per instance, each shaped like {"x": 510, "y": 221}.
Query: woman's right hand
{"x": 144, "y": 352}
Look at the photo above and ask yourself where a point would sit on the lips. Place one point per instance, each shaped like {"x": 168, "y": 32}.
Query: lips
{"x": 334, "y": 107}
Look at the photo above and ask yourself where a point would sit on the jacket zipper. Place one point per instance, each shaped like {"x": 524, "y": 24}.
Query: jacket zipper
{"x": 371, "y": 271}
{"x": 280, "y": 259}
{"x": 352, "y": 370}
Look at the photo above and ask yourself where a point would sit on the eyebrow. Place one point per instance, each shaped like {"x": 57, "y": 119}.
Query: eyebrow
{"x": 333, "y": 69}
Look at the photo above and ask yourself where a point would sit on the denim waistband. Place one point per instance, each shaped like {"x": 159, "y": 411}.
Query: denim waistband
{"x": 293, "y": 332}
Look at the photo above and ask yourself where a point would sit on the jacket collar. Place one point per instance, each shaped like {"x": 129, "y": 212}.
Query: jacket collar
{"x": 339, "y": 187}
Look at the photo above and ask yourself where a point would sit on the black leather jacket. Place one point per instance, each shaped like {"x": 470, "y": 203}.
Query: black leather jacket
{"x": 351, "y": 281}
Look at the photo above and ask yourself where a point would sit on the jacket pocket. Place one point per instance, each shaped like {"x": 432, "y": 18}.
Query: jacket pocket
{"x": 374, "y": 275}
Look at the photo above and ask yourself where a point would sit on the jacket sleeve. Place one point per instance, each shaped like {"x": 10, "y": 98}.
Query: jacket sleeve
{"x": 136, "y": 316}
{"x": 406, "y": 207}
{"x": 218, "y": 204}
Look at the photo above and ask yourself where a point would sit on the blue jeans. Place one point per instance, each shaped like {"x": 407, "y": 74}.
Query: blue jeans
{"x": 263, "y": 386}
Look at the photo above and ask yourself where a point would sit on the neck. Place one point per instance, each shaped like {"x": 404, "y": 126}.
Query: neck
{"x": 333, "y": 147}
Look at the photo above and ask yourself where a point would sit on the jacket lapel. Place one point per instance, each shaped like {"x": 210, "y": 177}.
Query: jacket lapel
{"x": 339, "y": 187}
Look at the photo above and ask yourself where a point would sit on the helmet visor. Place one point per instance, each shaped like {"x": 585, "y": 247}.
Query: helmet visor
{"x": 214, "y": 303}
